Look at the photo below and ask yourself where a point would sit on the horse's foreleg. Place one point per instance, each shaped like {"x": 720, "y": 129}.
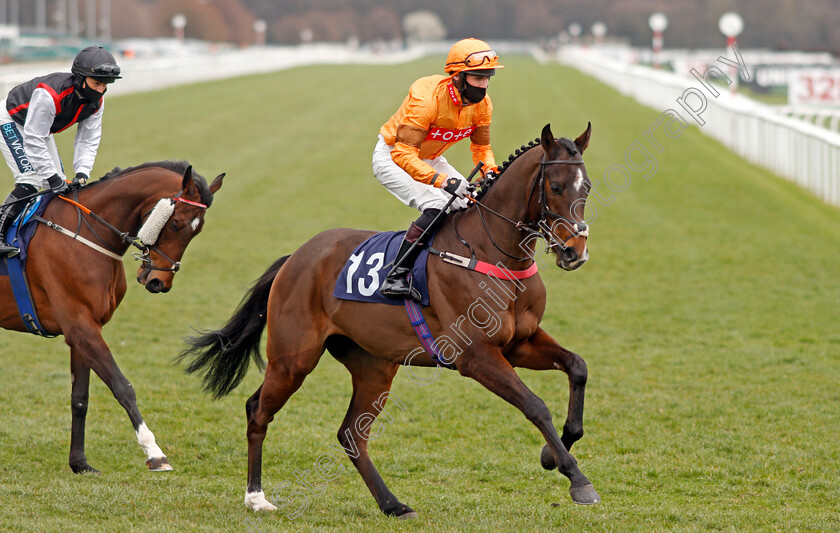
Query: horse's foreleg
{"x": 541, "y": 352}
{"x": 80, "y": 378}
{"x": 372, "y": 379}
{"x": 87, "y": 341}
{"x": 495, "y": 373}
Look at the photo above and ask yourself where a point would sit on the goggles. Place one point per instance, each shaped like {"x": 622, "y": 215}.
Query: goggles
{"x": 106, "y": 69}
{"x": 476, "y": 59}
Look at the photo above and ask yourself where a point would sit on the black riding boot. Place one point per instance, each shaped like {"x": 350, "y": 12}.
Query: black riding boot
{"x": 396, "y": 285}
{"x": 9, "y": 214}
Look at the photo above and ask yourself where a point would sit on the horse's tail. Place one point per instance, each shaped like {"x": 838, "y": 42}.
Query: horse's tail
{"x": 223, "y": 356}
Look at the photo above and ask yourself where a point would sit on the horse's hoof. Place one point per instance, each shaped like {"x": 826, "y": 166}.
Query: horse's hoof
{"x": 402, "y": 511}
{"x": 547, "y": 458}
{"x": 84, "y": 468}
{"x": 584, "y": 495}
{"x": 159, "y": 464}
{"x": 256, "y": 502}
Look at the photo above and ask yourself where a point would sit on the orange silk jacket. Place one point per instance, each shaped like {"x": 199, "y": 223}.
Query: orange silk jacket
{"x": 430, "y": 120}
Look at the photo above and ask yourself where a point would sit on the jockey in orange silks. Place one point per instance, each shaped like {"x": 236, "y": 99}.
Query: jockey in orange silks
{"x": 408, "y": 159}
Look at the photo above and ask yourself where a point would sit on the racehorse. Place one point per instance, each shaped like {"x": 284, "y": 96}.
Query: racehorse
{"x": 541, "y": 191}
{"x": 77, "y": 283}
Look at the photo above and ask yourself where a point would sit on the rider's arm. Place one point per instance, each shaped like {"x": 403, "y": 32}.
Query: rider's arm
{"x": 36, "y": 131}
{"x": 411, "y": 132}
{"x": 88, "y": 133}
{"x": 480, "y": 138}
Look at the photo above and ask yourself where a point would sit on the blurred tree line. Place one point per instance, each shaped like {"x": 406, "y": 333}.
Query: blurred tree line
{"x": 777, "y": 24}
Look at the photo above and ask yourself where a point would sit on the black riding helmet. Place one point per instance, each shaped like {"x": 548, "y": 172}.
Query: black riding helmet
{"x": 98, "y": 63}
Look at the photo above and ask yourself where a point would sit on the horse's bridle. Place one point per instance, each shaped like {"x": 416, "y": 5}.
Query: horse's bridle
{"x": 145, "y": 249}
{"x": 540, "y": 227}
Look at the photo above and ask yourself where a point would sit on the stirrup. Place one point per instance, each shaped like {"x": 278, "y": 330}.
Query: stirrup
{"x": 397, "y": 286}
{"x": 7, "y": 250}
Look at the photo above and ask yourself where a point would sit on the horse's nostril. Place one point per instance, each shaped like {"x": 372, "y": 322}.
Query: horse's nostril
{"x": 570, "y": 254}
{"x": 154, "y": 286}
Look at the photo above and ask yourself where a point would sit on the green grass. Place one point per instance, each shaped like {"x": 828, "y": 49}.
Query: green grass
{"x": 707, "y": 315}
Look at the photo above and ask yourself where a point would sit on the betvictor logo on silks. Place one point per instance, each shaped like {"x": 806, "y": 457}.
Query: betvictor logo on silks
{"x": 15, "y": 144}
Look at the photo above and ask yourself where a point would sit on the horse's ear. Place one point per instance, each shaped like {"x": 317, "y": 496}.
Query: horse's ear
{"x": 217, "y": 183}
{"x": 583, "y": 141}
{"x": 547, "y": 138}
{"x": 188, "y": 179}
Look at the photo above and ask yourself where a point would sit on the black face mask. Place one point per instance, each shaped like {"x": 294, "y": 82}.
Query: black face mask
{"x": 473, "y": 95}
{"x": 92, "y": 95}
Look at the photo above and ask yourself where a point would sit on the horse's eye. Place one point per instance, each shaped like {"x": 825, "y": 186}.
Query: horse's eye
{"x": 557, "y": 188}
{"x": 175, "y": 225}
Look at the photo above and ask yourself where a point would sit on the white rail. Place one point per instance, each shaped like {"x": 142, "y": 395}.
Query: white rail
{"x": 183, "y": 67}
{"x": 802, "y": 152}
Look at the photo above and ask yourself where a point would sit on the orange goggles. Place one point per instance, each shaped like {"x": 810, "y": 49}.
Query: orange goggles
{"x": 477, "y": 59}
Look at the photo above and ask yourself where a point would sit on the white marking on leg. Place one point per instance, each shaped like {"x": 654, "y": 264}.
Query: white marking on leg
{"x": 578, "y": 179}
{"x": 146, "y": 439}
{"x": 256, "y": 501}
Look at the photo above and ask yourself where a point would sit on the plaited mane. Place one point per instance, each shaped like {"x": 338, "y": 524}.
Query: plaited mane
{"x": 567, "y": 144}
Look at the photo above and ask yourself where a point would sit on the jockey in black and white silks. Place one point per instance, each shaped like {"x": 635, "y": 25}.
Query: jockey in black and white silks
{"x": 36, "y": 110}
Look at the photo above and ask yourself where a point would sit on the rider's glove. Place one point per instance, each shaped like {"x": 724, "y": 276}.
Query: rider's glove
{"x": 457, "y": 186}
{"x": 57, "y": 184}
{"x": 79, "y": 181}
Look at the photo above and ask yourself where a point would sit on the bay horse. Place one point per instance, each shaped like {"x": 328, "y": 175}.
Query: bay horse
{"x": 76, "y": 287}
{"x": 540, "y": 191}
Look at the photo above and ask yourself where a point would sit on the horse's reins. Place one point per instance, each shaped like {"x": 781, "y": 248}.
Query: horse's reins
{"x": 535, "y": 228}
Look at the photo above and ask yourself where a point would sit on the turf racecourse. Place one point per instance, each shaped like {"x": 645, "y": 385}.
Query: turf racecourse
{"x": 707, "y": 315}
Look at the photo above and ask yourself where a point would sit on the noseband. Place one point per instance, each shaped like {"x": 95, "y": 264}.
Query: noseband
{"x": 145, "y": 249}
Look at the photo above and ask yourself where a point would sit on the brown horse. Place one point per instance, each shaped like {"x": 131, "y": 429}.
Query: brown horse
{"x": 77, "y": 287}
{"x": 540, "y": 191}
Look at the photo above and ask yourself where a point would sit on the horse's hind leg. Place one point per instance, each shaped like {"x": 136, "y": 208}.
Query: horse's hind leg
{"x": 283, "y": 377}
{"x": 542, "y": 352}
{"x": 80, "y": 377}
{"x": 372, "y": 379}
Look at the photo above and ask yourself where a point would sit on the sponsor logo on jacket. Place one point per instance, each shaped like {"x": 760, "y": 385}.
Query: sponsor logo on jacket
{"x": 448, "y": 135}
{"x": 15, "y": 144}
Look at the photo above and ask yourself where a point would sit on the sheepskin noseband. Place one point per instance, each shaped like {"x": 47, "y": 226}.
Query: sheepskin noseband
{"x": 150, "y": 231}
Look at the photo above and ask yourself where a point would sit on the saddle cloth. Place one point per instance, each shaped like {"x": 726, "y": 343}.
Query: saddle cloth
{"x": 368, "y": 265}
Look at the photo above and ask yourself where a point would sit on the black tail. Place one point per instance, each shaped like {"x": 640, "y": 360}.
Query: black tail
{"x": 223, "y": 356}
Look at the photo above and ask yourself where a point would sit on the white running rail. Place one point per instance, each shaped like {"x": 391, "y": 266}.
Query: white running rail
{"x": 802, "y": 152}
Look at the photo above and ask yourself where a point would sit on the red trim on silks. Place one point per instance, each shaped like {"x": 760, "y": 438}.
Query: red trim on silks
{"x": 19, "y": 108}
{"x": 487, "y": 268}
{"x": 55, "y": 96}
{"x": 78, "y": 112}
{"x": 452, "y": 94}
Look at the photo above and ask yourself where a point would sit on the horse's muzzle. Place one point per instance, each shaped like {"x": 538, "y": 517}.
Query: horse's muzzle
{"x": 568, "y": 258}
{"x": 155, "y": 286}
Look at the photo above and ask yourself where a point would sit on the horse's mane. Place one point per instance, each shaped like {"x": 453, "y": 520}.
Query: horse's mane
{"x": 483, "y": 187}
{"x": 175, "y": 166}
